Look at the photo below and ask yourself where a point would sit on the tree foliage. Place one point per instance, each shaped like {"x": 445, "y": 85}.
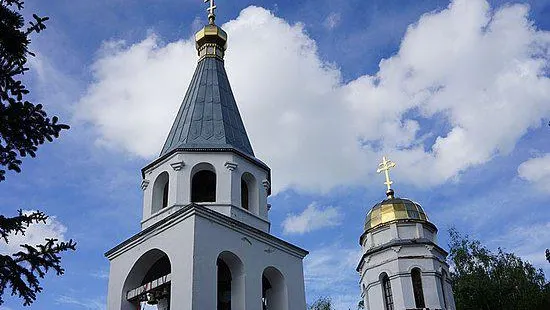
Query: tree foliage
{"x": 483, "y": 280}
{"x": 23, "y": 127}
{"x": 20, "y": 272}
{"x": 323, "y": 303}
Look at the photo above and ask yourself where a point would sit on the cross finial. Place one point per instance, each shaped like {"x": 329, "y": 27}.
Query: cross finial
{"x": 211, "y": 9}
{"x": 385, "y": 167}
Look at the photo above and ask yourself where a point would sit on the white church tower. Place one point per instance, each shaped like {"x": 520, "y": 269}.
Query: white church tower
{"x": 402, "y": 266}
{"x": 205, "y": 241}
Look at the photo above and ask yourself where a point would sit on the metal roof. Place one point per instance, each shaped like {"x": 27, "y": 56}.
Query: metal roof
{"x": 208, "y": 117}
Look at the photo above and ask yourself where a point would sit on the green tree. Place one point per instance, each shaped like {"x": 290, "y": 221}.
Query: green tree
{"x": 323, "y": 303}
{"x": 23, "y": 127}
{"x": 483, "y": 280}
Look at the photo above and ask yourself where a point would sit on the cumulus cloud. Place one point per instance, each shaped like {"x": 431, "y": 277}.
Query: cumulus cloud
{"x": 313, "y": 218}
{"x": 466, "y": 84}
{"x": 537, "y": 170}
{"x": 35, "y": 234}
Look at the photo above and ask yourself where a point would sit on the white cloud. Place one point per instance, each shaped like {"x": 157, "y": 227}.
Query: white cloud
{"x": 528, "y": 242}
{"x": 537, "y": 171}
{"x": 313, "y": 218}
{"x": 332, "y": 20}
{"x": 82, "y": 303}
{"x": 330, "y": 271}
{"x": 481, "y": 72}
{"x": 34, "y": 234}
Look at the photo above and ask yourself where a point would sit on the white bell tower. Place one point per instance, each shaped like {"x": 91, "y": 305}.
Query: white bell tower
{"x": 205, "y": 239}
{"x": 402, "y": 266}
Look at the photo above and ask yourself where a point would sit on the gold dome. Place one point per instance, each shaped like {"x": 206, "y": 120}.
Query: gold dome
{"x": 211, "y": 34}
{"x": 394, "y": 209}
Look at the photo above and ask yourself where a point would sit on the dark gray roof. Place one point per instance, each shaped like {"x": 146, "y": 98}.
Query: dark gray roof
{"x": 208, "y": 117}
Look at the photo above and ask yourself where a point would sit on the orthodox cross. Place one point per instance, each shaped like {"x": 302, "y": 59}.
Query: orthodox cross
{"x": 211, "y": 9}
{"x": 385, "y": 167}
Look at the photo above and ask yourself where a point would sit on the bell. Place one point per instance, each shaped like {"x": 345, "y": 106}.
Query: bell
{"x": 151, "y": 299}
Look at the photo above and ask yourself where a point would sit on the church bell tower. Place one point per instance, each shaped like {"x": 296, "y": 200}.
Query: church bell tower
{"x": 205, "y": 239}
{"x": 402, "y": 266}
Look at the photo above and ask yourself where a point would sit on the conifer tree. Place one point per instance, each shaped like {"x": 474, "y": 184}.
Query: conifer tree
{"x": 23, "y": 127}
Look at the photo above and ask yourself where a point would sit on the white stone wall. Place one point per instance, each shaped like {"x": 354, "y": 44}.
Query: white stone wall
{"x": 193, "y": 240}
{"x": 229, "y": 168}
{"x": 397, "y": 262}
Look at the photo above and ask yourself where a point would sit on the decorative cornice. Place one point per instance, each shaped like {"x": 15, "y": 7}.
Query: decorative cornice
{"x": 396, "y": 249}
{"x": 197, "y": 210}
{"x": 266, "y": 184}
{"x": 177, "y": 166}
{"x": 230, "y": 166}
{"x": 144, "y": 184}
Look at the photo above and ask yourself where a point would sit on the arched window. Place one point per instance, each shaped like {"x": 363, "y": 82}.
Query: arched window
{"x": 244, "y": 194}
{"x": 203, "y": 184}
{"x": 443, "y": 279}
{"x": 153, "y": 267}
{"x": 386, "y": 289}
{"x": 274, "y": 294}
{"x": 224, "y": 286}
{"x": 230, "y": 282}
{"x": 416, "y": 276}
{"x": 160, "y": 192}
{"x": 249, "y": 193}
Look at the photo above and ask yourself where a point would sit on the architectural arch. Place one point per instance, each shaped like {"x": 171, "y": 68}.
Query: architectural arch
{"x": 386, "y": 291}
{"x": 418, "y": 291}
{"x": 230, "y": 282}
{"x": 152, "y": 267}
{"x": 203, "y": 183}
{"x": 249, "y": 193}
{"x": 160, "y": 192}
{"x": 274, "y": 290}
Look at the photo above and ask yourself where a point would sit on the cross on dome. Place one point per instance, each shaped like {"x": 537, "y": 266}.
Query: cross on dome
{"x": 385, "y": 167}
{"x": 211, "y": 9}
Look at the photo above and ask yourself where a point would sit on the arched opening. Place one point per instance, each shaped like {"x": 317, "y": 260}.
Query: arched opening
{"x": 230, "y": 282}
{"x": 274, "y": 292}
{"x": 443, "y": 280}
{"x": 160, "y": 192}
{"x": 249, "y": 193}
{"x": 416, "y": 276}
{"x": 148, "y": 283}
{"x": 244, "y": 194}
{"x": 386, "y": 291}
{"x": 203, "y": 183}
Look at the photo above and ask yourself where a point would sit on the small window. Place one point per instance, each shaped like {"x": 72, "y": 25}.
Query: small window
{"x": 244, "y": 194}
{"x": 203, "y": 187}
{"x": 160, "y": 192}
{"x": 249, "y": 193}
{"x": 416, "y": 276}
{"x": 165, "y": 195}
{"x": 388, "y": 296}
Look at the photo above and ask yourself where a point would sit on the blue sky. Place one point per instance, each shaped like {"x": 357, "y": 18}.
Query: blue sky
{"x": 457, "y": 93}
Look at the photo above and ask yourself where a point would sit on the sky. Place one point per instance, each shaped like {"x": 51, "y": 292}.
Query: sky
{"x": 457, "y": 93}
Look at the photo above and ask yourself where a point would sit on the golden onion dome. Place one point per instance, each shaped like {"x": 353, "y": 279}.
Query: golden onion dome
{"x": 394, "y": 209}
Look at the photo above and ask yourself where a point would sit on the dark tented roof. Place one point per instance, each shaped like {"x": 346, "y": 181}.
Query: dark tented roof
{"x": 208, "y": 117}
